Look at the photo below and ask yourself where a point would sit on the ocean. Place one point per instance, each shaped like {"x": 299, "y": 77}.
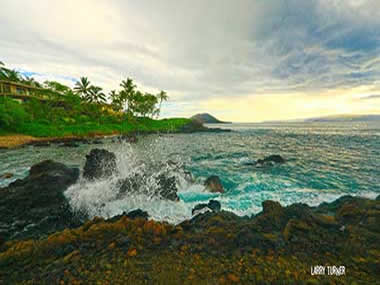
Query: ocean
{"x": 323, "y": 162}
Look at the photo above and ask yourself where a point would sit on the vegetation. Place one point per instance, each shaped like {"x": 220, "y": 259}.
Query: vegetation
{"x": 62, "y": 111}
{"x": 278, "y": 246}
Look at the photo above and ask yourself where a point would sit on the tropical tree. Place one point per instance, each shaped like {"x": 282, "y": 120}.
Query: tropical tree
{"x": 127, "y": 93}
{"x": 162, "y": 96}
{"x": 9, "y": 74}
{"x": 57, "y": 87}
{"x": 82, "y": 87}
{"x": 95, "y": 95}
{"x": 32, "y": 82}
{"x": 2, "y": 71}
{"x": 143, "y": 104}
{"x": 115, "y": 100}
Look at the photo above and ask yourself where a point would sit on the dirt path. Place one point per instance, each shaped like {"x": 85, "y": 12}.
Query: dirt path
{"x": 10, "y": 141}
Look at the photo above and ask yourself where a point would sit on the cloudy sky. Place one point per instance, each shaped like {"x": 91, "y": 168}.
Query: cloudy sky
{"x": 241, "y": 60}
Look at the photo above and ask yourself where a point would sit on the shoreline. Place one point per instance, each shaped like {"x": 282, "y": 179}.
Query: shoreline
{"x": 280, "y": 243}
{"x": 12, "y": 141}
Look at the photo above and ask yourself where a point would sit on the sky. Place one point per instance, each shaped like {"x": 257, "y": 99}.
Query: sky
{"x": 241, "y": 60}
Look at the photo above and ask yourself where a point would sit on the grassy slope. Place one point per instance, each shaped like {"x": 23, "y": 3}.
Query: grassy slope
{"x": 92, "y": 128}
{"x": 40, "y": 120}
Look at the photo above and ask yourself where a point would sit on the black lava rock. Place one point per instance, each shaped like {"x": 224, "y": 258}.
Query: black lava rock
{"x": 213, "y": 205}
{"x": 271, "y": 159}
{"x": 36, "y": 206}
{"x": 214, "y": 184}
{"x": 100, "y": 163}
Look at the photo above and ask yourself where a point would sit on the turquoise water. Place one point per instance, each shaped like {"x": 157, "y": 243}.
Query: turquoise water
{"x": 324, "y": 162}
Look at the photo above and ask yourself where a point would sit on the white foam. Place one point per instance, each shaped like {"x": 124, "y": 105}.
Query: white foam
{"x": 102, "y": 197}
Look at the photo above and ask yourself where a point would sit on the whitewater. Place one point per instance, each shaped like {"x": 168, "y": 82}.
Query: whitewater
{"x": 323, "y": 162}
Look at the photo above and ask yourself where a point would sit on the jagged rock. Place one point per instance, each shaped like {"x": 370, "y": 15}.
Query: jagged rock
{"x": 212, "y": 205}
{"x": 131, "y": 184}
{"x": 166, "y": 186}
{"x": 36, "y": 206}
{"x": 193, "y": 126}
{"x": 271, "y": 206}
{"x": 69, "y": 144}
{"x": 41, "y": 144}
{"x": 271, "y": 159}
{"x": 138, "y": 213}
{"x": 130, "y": 138}
{"x": 100, "y": 163}
{"x": 214, "y": 184}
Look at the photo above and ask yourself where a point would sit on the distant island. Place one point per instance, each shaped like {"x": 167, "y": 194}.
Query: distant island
{"x": 206, "y": 118}
{"x": 333, "y": 118}
{"x": 345, "y": 118}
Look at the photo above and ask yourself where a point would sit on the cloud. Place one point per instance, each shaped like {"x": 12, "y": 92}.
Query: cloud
{"x": 200, "y": 51}
{"x": 370, "y": 97}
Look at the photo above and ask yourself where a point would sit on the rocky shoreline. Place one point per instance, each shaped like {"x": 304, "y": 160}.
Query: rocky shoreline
{"x": 43, "y": 241}
{"x": 19, "y": 140}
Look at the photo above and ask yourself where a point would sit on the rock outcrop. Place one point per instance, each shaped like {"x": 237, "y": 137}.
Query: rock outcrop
{"x": 214, "y": 184}
{"x": 165, "y": 187}
{"x": 276, "y": 246}
{"x": 270, "y": 160}
{"x": 100, "y": 163}
{"x": 36, "y": 206}
{"x": 212, "y": 205}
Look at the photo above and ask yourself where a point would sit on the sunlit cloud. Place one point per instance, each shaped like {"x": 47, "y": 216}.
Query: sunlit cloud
{"x": 307, "y": 58}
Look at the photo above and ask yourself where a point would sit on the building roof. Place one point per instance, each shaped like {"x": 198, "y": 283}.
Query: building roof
{"x": 21, "y": 84}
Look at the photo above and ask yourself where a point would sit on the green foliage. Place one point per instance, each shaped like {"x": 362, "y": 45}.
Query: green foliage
{"x": 126, "y": 94}
{"x": 82, "y": 87}
{"x": 61, "y": 111}
{"x": 12, "y": 114}
{"x": 57, "y": 87}
{"x": 95, "y": 95}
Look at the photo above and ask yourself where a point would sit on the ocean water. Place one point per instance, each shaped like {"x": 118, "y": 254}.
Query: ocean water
{"x": 324, "y": 162}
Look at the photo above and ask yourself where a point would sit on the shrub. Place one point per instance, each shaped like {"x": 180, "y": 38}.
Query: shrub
{"x": 12, "y": 114}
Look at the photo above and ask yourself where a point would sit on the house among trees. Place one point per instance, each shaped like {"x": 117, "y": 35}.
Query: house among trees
{"x": 20, "y": 91}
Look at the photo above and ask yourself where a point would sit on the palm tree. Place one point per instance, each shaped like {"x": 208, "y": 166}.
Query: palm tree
{"x": 32, "y": 82}
{"x": 2, "y": 70}
{"x": 95, "y": 95}
{"x": 11, "y": 75}
{"x": 115, "y": 100}
{"x": 8, "y": 74}
{"x": 82, "y": 86}
{"x": 162, "y": 96}
{"x": 127, "y": 93}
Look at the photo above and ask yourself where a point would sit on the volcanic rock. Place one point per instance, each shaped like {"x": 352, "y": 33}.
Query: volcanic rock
{"x": 212, "y": 205}
{"x": 36, "y": 206}
{"x": 275, "y": 158}
{"x": 166, "y": 186}
{"x": 214, "y": 184}
{"x": 100, "y": 163}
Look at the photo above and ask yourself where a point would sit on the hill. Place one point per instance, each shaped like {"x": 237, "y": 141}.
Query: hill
{"x": 332, "y": 118}
{"x": 346, "y": 118}
{"x": 206, "y": 118}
